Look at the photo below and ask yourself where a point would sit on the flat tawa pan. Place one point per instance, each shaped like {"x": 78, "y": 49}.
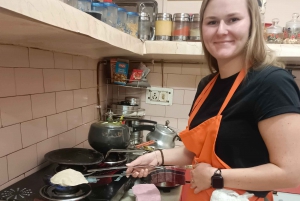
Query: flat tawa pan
{"x": 75, "y": 156}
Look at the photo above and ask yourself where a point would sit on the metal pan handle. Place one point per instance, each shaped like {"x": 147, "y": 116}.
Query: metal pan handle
{"x": 141, "y": 120}
{"x": 136, "y": 128}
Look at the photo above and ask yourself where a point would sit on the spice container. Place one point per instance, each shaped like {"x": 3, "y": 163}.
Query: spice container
{"x": 163, "y": 26}
{"x": 84, "y": 5}
{"x": 112, "y": 14}
{"x": 181, "y": 27}
{"x": 275, "y": 33}
{"x": 122, "y": 18}
{"x": 195, "y": 27}
{"x": 144, "y": 31}
{"x": 132, "y": 23}
{"x": 266, "y": 25}
{"x": 292, "y": 30}
{"x": 100, "y": 8}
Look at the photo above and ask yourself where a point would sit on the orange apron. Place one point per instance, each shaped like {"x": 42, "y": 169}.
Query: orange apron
{"x": 201, "y": 139}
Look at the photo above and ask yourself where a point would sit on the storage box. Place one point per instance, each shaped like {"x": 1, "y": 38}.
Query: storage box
{"x": 121, "y": 72}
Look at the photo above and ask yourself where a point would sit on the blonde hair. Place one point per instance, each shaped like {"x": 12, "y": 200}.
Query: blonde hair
{"x": 257, "y": 54}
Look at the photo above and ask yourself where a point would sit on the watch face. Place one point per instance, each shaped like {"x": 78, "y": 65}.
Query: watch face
{"x": 217, "y": 181}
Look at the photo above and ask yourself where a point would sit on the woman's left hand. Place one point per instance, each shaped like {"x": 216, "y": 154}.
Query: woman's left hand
{"x": 201, "y": 177}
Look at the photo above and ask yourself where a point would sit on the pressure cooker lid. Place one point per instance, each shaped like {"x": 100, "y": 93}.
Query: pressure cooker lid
{"x": 165, "y": 128}
{"x": 107, "y": 124}
{"x": 114, "y": 124}
{"x": 110, "y": 123}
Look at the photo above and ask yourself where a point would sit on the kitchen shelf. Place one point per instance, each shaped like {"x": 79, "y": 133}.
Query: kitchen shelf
{"x": 175, "y": 51}
{"x": 110, "y": 83}
{"x": 289, "y": 53}
{"x": 117, "y": 85}
{"x": 193, "y": 52}
{"x": 55, "y": 26}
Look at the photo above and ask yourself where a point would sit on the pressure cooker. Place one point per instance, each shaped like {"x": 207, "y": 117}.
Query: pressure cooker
{"x": 163, "y": 135}
{"x": 104, "y": 136}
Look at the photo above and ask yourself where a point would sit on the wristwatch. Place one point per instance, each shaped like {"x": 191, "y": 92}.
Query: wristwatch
{"x": 217, "y": 180}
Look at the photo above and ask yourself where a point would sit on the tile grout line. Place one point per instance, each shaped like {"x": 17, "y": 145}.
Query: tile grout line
{"x": 6, "y": 169}
{"x": 47, "y": 115}
{"x": 53, "y": 57}
{"x": 37, "y": 155}
{"x": 43, "y": 80}
{"x": 50, "y": 137}
{"x": 14, "y": 69}
{"x": 13, "y": 179}
{"x": 28, "y": 49}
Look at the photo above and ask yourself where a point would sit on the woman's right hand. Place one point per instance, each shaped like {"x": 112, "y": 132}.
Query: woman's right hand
{"x": 152, "y": 159}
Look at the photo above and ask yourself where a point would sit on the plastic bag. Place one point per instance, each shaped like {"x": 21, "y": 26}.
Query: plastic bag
{"x": 229, "y": 195}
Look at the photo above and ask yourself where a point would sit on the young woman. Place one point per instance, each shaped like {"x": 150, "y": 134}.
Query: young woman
{"x": 244, "y": 123}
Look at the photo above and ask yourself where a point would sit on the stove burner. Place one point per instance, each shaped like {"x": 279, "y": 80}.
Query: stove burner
{"x": 15, "y": 194}
{"x": 115, "y": 157}
{"x": 51, "y": 193}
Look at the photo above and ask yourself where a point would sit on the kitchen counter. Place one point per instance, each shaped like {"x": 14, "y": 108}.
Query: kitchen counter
{"x": 174, "y": 195}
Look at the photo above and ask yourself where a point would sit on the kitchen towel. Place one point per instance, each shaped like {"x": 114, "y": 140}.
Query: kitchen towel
{"x": 146, "y": 192}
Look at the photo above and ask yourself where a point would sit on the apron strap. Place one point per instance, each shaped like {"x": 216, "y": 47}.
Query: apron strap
{"x": 201, "y": 98}
{"x": 235, "y": 85}
{"x": 204, "y": 94}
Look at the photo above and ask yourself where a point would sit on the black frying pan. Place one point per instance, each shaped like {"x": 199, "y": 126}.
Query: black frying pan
{"x": 74, "y": 156}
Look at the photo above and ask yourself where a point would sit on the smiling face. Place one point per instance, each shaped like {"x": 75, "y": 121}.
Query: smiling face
{"x": 225, "y": 28}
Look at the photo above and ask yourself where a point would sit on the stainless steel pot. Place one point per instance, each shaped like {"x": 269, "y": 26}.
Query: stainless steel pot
{"x": 119, "y": 109}
{"x": 136, "y": 137}
{"x": 164, "y": 136}
{"x": 134, "y": 101}
{"x": 164, "y": 186}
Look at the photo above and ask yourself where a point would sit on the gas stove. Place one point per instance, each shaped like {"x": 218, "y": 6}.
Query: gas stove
{"x": 33, "y": 188}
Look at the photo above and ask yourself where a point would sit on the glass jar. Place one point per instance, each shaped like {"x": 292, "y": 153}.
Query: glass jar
{"x": 292, "y": 30}
{"x": 112, "y": 14}
{"x": 84, "y": 5}
{"x": 144, "y": 31}
{"x": 275, "y": 33}
{"x": 100, "y": 8}
{"x": 195, "y": 27}
{"x": 163, "y": 26}
{"x": 122, "y": 18}
{"x": 71, "y": 2}
{"x": 181, "y": 27}
{"x": 132, "y": 23}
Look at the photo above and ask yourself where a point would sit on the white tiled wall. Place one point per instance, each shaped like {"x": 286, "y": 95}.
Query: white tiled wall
{"x": 47, "y": 101}
{"x": 183, "y": 78}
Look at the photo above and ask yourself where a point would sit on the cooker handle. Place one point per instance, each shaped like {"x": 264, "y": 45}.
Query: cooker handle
{"x": 142, "y": 120}
{"x": 136, "y": 128}
{"x": 178, "y": 138}
{"x": 146, "y": 121}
